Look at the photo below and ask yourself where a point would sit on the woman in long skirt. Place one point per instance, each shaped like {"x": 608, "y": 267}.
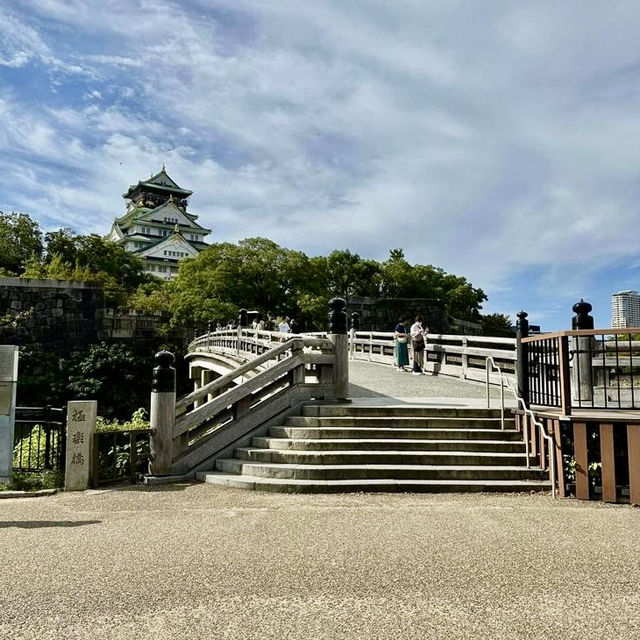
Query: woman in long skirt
{"x": 402, "y": 352}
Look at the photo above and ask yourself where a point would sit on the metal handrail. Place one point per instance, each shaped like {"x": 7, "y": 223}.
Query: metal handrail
{"x": 527, "y": 412}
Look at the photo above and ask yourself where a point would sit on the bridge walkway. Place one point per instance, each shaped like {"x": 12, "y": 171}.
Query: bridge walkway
{"x": 382, "y": 382}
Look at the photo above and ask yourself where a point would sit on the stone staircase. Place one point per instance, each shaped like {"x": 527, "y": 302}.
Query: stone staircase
{"x": 413, "y": 448}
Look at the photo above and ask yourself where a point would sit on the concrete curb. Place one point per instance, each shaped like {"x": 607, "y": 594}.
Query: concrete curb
{"x": 28, "y": 494}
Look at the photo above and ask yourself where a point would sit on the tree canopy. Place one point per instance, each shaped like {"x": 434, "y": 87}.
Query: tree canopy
{"x": 20, "y": 240}
{"x": 68, "y": 256}
{"x": 258, "y": 274}
{"x": 255, "y": 273}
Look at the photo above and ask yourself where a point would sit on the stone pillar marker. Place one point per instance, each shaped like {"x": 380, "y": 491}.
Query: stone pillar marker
{"x": 8, "y": 383}
{"x": 81, "y": 425}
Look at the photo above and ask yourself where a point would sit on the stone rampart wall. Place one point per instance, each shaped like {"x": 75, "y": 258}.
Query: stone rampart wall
{"x": 57, "y": 314}
{"x": 382, "y": 314}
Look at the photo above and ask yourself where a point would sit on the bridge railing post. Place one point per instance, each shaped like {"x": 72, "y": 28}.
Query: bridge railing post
{"x": 338, "y": 336}
{"x": 162, "y": 415}
{"x": 583, "y": 348}
{"x": 355, "y": 327}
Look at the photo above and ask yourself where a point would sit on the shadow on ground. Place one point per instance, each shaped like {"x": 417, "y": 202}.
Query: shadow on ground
{"x": 43, "y": 524}
{"x": 356, "y": 391}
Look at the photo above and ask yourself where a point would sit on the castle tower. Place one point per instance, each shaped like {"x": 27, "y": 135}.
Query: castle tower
{"x": 157, "y": 227}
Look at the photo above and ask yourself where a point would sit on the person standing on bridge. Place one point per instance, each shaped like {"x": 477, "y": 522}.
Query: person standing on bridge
{"x": 418, "y": 345}
{"x": 402, "y": 351}
{"x": 284, "y": 327}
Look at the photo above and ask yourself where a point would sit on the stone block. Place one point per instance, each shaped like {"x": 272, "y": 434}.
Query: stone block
{"x": 81, "y": 424}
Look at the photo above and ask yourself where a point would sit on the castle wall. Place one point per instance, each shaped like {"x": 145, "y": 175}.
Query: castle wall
{"x": 56, "y": 314}
{"x": 382, "y": 314}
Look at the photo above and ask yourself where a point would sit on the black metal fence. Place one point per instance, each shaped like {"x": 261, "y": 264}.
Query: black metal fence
{"x": 39, "y": 439}
{"x": 120, "y": 456}
{"x": 601, "y": 369}
{"x": 543, "y": 371}
{"x": 606, "y": 371}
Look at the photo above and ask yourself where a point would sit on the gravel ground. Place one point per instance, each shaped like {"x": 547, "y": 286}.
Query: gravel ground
{"x": 368, "y": 379}
{"x": 199, "y": 561}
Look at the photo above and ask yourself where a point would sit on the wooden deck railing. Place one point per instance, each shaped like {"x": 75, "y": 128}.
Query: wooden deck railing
{"x": 584, "y": 369}
{"x": 585, "y": 386}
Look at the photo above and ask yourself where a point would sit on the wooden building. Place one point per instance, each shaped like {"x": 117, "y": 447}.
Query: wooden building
{"x": 157, "y": 226}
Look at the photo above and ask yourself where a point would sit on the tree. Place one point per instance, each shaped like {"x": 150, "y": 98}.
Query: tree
{"x": 349, "y": 275}
{"x": 497, "y": 324}
{"x": 20, "y": 240}
{"x": 113, "y": 375}
{"x": 90, "y": 257}
{"x": 403, "y": 280}
{"x": 256, "y": 274}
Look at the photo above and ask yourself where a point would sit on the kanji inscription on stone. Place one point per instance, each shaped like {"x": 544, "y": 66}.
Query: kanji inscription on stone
{"x": 8, "y": 363}
{"x": 81, "y": 424}
{"x": 78, "y": 415}
{"x": 6, "y": 395}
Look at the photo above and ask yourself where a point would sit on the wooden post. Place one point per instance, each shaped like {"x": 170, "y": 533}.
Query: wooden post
{"x": 608, "y": 463}
{"x": 522, "y": 356}
{"x": 8, "y": 383}
{"x": 541, "y": 445}
{"x": 581, "y": 458}
{"x": 557, "y": 452}
{"x": 81, "y": 425}
{"x": 162, "y": 415}
{"x": 633, "y": 446}
{"x": 565, "y": 376}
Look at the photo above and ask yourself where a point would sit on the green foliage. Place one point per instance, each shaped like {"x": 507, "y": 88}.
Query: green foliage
{"x": 14, "y": 319}
{"x": 258, "y": 274}
{"x": 92, "y": 258}
{"x": 29, "y": 451}
{"x": 113, "y": 375}
{"x": 20, "y": 240}
{"x": 497, "y": 324}
{"x": 255, "y": 274}
{"x": 21, "y": 481}
{"x": 137, "y": 421}
{"x": 152, "y": 297}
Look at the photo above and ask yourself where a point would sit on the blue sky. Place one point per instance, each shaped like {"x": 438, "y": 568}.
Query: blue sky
{"x": 498, "y": 140}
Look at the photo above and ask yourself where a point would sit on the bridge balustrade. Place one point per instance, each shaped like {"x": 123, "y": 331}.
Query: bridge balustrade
{"x": 281, "y": 372}
{"x": 460, "y": 356}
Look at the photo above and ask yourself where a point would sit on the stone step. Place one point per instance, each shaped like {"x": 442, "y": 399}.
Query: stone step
{"x": 386, "y": 444}
{"x": 424, "y": 422}
{"x": 378, "y": 471}
{"x": 381, "y": 485}
{"x": 392, "y": 457}
{"x": 392, "y": 433}
{"x": 406, "y": 410}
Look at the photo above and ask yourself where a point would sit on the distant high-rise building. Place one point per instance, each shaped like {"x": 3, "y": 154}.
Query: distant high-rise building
{"x": 157, "y": 226}
{"x": 625, "y": 309}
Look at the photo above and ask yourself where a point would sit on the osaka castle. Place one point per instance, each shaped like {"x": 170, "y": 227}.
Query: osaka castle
{"x": 157, "y": 227}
